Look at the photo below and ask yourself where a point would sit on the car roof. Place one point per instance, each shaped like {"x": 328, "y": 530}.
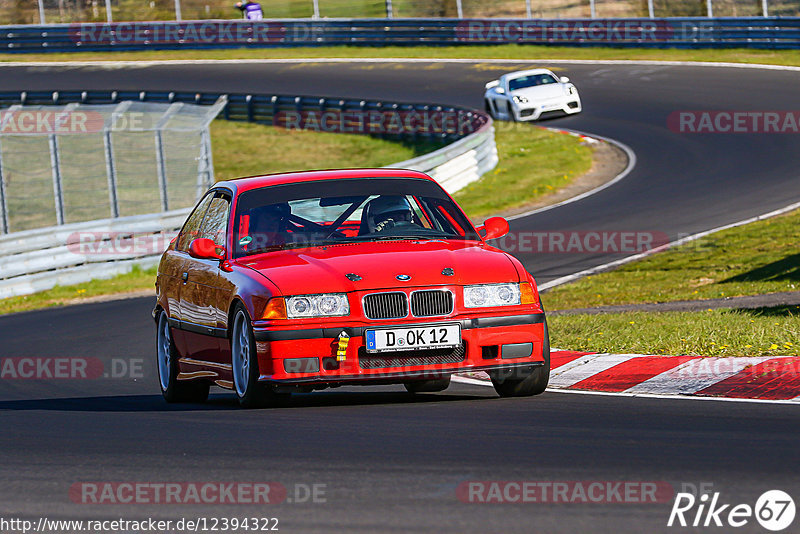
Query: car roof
{"x": 256, "y": 182}
{"x": 519, "y": 73}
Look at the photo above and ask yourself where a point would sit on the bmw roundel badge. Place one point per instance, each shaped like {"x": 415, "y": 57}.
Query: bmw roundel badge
{"x": 403, "y": 277}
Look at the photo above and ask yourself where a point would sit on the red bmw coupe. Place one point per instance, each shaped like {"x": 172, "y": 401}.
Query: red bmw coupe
{"x": 309, "y": 280}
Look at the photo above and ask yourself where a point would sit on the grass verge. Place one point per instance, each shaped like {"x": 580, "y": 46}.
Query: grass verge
{"x": 758, "y": 332}
{"x": 533, "y": 162}
{"x": 753, "y": 259}
{"x": 511, "y": 52}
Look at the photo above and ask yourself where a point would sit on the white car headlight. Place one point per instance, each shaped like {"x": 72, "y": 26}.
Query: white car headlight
{"x": 324, "y": 305}
{"x": 487, "y": 295}
{"x": 571, "y": 90}
{"x": 520, "y": 99}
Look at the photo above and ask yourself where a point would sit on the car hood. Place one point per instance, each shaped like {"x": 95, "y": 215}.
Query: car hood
{"x": 541, "y": 92}
{"x": 323, "y": 269}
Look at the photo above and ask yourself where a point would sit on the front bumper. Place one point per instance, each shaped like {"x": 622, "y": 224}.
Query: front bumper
{"x": 492, "y": 343}
{"x": 532, "y": 111}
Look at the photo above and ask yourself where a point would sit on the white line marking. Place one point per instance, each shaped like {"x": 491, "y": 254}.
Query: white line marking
{"x": 625, "y": 172}
{"x": 794, "y": 402}
{"x": 694, "y": 375}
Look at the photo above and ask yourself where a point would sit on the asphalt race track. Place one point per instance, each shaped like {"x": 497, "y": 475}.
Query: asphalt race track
{"x": 392, "y": 463}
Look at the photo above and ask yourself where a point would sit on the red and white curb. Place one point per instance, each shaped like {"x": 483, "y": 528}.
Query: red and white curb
{"x": 774, "y": 378}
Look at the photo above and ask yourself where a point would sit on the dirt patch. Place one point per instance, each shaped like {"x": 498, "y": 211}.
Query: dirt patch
{"x": 608, "y": 161}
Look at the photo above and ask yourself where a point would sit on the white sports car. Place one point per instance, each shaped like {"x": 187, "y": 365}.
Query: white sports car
{"x": 529, "y": 95}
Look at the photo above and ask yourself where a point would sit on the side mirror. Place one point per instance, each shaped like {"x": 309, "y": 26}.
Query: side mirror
{"x": 564, "y": 79}
{"x": 495, "y": 227}
{"x": 500, "y": 91}
{"x": 493, "y": 83}
{"x": 205, "y": 249}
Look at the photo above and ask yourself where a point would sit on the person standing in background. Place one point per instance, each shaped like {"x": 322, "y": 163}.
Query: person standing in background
{"x": 251, "y": 10}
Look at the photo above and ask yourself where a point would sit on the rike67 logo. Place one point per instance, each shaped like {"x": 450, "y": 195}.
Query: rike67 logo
{"x": 774, "y": 510}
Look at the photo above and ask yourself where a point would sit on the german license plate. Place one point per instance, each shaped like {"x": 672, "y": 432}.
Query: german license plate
{"x": 437, "y": 336}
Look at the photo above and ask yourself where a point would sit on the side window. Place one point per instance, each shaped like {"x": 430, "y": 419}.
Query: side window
{"x": 215, "y": 224}
{"x": 191, "y": 228}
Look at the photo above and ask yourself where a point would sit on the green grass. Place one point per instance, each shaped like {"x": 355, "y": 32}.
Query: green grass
{"x": 757, "y": 258}
{"x": 760, "y": 332}
{"x": 512, "y": 52}
{"x": 533, "y": 163}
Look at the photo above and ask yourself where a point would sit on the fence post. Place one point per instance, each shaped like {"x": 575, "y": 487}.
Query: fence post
{"x": 205, "y": 165}
{"x": 316, "y": 9}
{"x": 55, "y": 166}
{"x": 161, "y": 161}
{"x": 41, "y": 13}
{"x": 178, "y": 10}
{"x": 111, "y": 166}
{"x": 592, "y": 10}
{"x": 765, "y": 8}
{"x": 459, "y": 9}
{"x": 650, "y": 9}
{"x": 710, "y": 8}
{"x": 109, "y": 19}
{"x": 389, "y": 10}
{"x": 528, "y": 11}
{"x": 3, "y": 206}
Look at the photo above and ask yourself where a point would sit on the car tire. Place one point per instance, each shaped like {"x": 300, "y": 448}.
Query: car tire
{"x": 487, "y": 106}
{"x": 527, "y": 382}
{"x": 172, "y": 389}
{"x": 428, "y": 386}
{"x": 244, "y": 366}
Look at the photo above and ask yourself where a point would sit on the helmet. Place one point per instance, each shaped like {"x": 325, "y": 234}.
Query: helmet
{"x": 387, "y": 207}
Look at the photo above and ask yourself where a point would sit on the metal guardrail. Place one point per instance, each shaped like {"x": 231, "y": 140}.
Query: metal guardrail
{"x": 692, "y": 32}
{"x": 73, "y": 253}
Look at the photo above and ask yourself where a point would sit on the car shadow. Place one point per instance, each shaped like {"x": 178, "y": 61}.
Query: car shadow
{"x": 223, "y": 401}
{"x": 785, "y": 269}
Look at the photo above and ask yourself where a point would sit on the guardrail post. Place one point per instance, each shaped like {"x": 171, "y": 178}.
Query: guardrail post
{"x": 3, "y": 206}
{"x": 528, "y": 11}
{"x": 55, "y": 166}
{"x": 710, "y": 8}
{"x": 178, "y": 10}
{"x": 389, "y": 10}
{"x": 108, "y": 12}
{"x": 592, "y": 9}
{"x": 205, "y": 164}
{"x": 765, "y": 8}
{"x": 41, "y": 13}
{"x": 459, "y": 9}
{"x": 650, "y": 9}
{"x": 316, "y": 9}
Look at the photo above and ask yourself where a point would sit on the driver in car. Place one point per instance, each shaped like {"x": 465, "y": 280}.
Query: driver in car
{"x": 269, "y": 226}
{"x": 387, "y": 212}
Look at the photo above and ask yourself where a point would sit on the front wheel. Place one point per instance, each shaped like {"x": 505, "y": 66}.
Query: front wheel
{"x": 525, "y": 382}
{"x": 244, "y": 364}
{"x": 172, "y": 389}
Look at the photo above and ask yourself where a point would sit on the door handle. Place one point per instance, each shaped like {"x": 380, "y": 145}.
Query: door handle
{"x": 185, "y": 276}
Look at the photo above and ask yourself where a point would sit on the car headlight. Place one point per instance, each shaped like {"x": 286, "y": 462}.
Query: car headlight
{"x": 571, "y": 90}
{"x": 324, "y": 305}
{"x": 487, "y": 295}
{"x": 520, "y": 99}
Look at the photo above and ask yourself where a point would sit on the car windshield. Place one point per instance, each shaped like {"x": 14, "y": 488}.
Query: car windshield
{"x": 329, "y": 212}
{"x": 531, "y": 80}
